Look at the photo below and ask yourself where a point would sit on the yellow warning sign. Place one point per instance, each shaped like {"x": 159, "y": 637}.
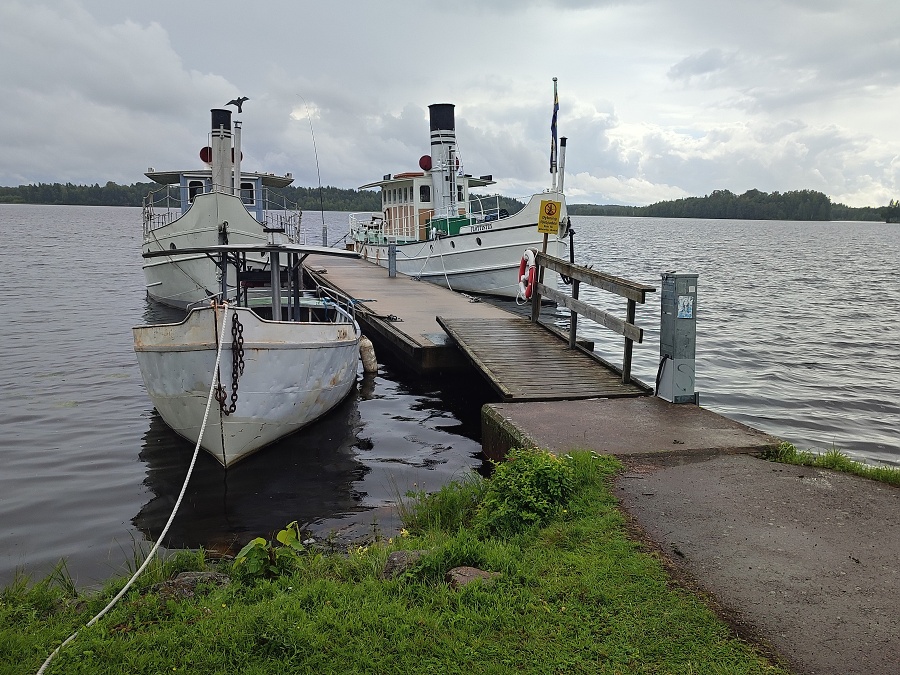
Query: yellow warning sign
{"x": 548, "y": 221}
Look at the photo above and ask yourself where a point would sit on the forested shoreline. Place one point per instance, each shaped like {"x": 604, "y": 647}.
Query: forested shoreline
{"x": 751, "y": 205}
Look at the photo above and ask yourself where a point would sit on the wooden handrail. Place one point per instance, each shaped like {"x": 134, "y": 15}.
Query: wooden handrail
{"x": 632, "y": 291}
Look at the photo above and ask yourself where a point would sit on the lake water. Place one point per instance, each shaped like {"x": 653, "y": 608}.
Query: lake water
{"x": 797, "y": 335}
{"x": 798, "y": 323}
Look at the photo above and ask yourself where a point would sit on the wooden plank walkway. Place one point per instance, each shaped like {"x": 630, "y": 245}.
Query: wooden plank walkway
{"x": 525, "y": 362}
{"x": 399, "y": 313}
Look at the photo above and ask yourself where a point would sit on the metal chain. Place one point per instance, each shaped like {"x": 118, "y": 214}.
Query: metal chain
{"x": 237, "y": 366}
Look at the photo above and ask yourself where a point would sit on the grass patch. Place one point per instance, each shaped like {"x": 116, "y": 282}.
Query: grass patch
{"x": 575, "y": 595}
{"x": 834, "y": 459}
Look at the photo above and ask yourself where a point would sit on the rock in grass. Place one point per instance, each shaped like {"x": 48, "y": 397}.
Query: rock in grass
{"x": 185, "y": 584}
{"x": 460, "y": 576}
{"x": 400, "y": 561}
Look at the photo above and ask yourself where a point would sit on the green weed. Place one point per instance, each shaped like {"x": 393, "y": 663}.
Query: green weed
{"x": 526, "y": 490}
{"x": 835, "y": 460}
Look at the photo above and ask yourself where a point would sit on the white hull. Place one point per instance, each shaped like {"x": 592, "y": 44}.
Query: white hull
{"x": 482, "y": 258}
{"x": 293, "y": 374}
{"x": 180, "y": 281}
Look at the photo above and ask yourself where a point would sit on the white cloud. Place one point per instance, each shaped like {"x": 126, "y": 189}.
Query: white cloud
{"x": 659, "y": 100}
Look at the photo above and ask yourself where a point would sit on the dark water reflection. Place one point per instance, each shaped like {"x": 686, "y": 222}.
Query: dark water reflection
{"x": 306, "y": 477}
{"x": 393, "y": 433}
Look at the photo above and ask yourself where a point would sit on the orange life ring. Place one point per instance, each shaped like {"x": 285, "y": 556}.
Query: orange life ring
{"x": 527, "y": 269}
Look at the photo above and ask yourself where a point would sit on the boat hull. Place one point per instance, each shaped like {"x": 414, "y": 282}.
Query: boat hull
{"x": 293, "y": 374}
{"x": 482, "y": 258}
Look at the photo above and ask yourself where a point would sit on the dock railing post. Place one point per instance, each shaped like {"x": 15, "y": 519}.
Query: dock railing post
{"x": 536, "y": 297}
{"x": 629, "y": 345}
{"x": 573, "y": 316}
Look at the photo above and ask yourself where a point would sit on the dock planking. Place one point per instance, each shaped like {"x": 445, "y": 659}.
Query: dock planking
{"x": 400, "y": 312}
{"x": 525, "y": 362}
{"x": 522, "y": 361}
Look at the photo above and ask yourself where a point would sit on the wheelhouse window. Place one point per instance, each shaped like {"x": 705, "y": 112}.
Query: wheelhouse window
{"x": 424, "y": 193}
{"x": 248, "y": 194}
{"x": 195, "y": 187}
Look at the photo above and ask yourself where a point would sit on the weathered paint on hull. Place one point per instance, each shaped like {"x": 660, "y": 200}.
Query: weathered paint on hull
{"x": 293, "y": 374}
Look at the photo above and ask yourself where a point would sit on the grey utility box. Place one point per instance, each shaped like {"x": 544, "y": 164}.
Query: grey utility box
{"x": 677, "y": 338}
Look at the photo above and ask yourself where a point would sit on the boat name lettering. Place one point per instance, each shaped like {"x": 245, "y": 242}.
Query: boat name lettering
{"x": 481, "y": 228}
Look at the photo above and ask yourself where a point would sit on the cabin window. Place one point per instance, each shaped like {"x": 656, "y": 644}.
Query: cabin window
{"x": 424, "y": 193}
{"x": 459, "y": 193}
{"x": 195, "y": 187}
{"x": 248, "y": 194}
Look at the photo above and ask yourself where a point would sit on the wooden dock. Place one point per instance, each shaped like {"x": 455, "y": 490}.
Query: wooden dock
{"x": 525, "y": 362}
{"x": 430, "y": 328}
{"x": 400, "y": 313}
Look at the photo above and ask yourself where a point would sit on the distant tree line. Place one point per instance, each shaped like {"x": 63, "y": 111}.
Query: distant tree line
{"x": 111, "y": 194}
{"x": 333, "y": 198}
{"x": 752, "y": 205}
{"x": 891, "y": 212}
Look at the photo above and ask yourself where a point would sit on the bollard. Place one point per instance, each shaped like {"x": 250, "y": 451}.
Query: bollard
{"x": 392, "y": 259}
{"x": 675, "y": 379}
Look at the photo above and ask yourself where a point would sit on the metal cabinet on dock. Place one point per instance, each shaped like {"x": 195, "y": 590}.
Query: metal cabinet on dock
{"x": 678, "y": 338}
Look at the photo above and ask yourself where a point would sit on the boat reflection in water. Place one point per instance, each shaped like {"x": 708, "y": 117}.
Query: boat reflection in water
{"x": 305, "y": 477}
{"x": 338, "y": 477}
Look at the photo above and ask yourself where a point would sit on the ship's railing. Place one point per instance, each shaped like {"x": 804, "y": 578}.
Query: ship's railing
{"x": 160, "y": 208}
{"x": 486, "y": 208}
{"x": 164, "y": 205}
{"x": 344, "y": 305}
{"x": 281, "y": 213}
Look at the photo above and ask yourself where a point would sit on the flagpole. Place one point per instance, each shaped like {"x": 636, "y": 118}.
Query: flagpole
{"x": 553, "y": 151}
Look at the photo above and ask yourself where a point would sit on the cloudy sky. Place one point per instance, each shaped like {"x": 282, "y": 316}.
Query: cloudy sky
{"x": 659, "y": 99}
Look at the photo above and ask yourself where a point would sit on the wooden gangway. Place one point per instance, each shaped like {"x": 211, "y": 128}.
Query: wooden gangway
{"x": 528, "y": 361}
{"x": 523, "y": 361}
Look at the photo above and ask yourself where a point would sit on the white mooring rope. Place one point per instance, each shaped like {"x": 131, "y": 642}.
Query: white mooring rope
{"x": 165, "y": 530}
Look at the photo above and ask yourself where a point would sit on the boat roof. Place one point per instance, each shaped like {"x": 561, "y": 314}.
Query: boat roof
{"x": 172, "y": 177}
{"x": 256, "y": 248}
{"x": 474, "y": 181}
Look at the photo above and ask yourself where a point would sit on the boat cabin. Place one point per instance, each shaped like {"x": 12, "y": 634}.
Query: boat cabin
{"x": 412, "y": 210}
{"x": 185, "y": 185}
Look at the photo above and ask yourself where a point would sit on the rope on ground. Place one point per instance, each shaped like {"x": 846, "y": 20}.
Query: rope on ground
{"x": 165, "y": 530}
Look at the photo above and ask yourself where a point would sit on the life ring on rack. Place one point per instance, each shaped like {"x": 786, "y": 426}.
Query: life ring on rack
{"x": 527, "y": 270}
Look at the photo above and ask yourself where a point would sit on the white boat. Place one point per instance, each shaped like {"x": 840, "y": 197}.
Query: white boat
{"x": 208, "y": 207}
{"x": 275, "y": 375}
{"x": 447, "y": 235}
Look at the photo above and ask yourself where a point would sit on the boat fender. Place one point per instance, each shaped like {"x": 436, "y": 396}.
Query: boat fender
{"x": 527, "y": 269}
{"x": 367, "y": 354}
